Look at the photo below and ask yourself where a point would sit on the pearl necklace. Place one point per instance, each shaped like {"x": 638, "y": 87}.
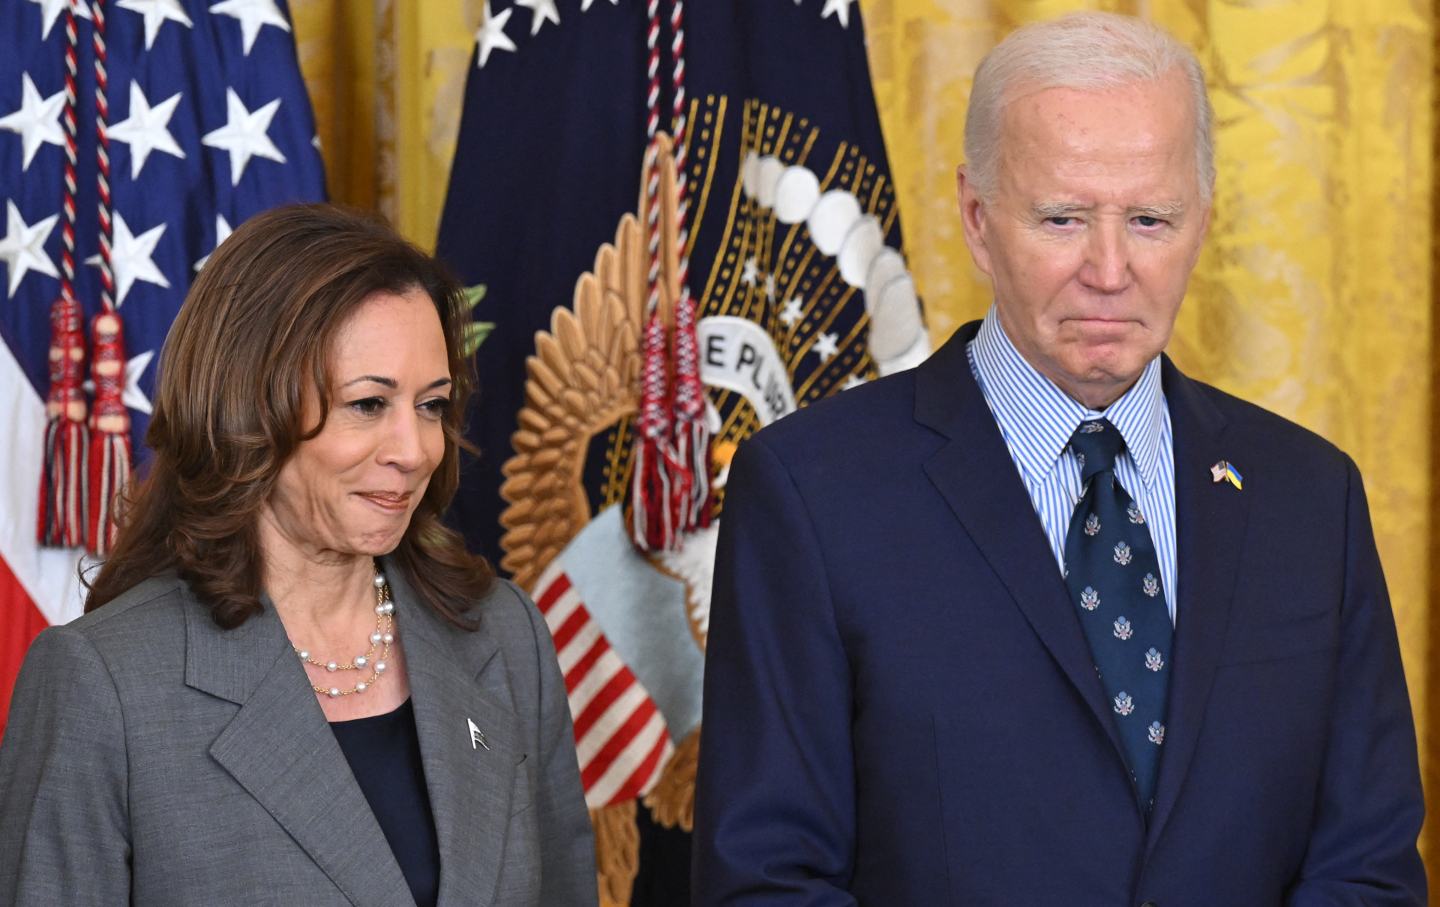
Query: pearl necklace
{"x": 383, "y": 636}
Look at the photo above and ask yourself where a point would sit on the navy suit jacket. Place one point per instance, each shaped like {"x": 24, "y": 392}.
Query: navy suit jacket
{"x": 901, "y": 707}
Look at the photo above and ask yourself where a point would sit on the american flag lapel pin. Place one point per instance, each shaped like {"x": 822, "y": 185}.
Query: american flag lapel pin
{"x": 477, "y": 737}
{"x": 1225, "y": 471}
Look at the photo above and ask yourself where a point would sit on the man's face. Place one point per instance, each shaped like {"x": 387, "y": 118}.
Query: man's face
{"x": 1094, "y": 226}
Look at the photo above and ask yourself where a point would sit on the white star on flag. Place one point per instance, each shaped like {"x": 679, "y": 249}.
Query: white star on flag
{"x": 751, "y": 272}
{"x": 132, "y": 396}
{"x": 841, "y": 8}
{"x": 156, "y": 12}
{"x": 491, "y": 35}
{"x": 826, "y": 346}
{"x": 542, "y": 11}
{"x": 244, "y": 135}
{"x": 793, "y": 311}
{"x": 769, "y": 286}
{"x": 23, "y": 246}
{"x": 145, "y": 130}
{"x": 586, "y": 4}
{"x": 222, "y": 233}
{"x": 131, "y": 257}
{"x": 253, "y": 15}
{"x": 37, "y": 121}
{"x": 852, "y": 382}
{"x": 50, "y": 11}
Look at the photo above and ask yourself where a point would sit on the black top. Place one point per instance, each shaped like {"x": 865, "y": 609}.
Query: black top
{"x": 384, "y": 755}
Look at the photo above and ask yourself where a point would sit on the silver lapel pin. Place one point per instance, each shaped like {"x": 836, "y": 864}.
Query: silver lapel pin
{"x": 477, "y": 737}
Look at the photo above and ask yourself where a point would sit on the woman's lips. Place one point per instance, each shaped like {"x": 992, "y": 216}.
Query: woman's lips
{"x": 388, "y": 501}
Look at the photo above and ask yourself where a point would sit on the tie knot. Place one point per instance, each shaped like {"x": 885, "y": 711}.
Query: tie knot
{"x": 1097, "y": 443}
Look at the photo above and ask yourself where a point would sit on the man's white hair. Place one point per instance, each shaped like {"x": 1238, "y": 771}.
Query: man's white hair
{"x": 1090, "y": 51}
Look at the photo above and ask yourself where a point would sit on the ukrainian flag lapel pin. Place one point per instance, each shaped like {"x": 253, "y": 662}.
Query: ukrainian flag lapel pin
{"x": 1225, "y": 471}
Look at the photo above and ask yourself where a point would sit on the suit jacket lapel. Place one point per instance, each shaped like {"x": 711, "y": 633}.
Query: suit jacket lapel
{"x": 1210, "y": 521}
{"x": 977, "y": 477}
{"x": 280, "y": 749}
{"x": 470, "y": 782}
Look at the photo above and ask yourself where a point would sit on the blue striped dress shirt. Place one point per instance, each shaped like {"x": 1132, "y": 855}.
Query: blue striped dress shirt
{"x": 1036, "y": 419}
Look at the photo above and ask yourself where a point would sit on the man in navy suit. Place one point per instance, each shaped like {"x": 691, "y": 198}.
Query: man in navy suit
{"x": 1043, "y": 620}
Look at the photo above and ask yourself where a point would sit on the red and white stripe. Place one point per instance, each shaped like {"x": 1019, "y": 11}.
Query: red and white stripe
{"x": 620, "y": 736}
{"x": 38, "y": 586}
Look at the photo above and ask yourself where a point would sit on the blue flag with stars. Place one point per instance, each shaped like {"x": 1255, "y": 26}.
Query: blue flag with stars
{"x": 778, "y": 198}
{"x": 209, "y": 123}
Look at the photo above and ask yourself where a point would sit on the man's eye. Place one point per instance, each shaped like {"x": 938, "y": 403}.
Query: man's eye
{"x": 1148, "y": 222}
{"x": 1061, "y": 220}
{"x": 369, "y": 406}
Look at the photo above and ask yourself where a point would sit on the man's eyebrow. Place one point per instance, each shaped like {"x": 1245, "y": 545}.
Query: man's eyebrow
{"x": 1164, "y": 210}
{"x": 1059, "y": 209}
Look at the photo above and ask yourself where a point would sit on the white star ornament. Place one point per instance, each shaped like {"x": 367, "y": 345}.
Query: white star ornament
{"x": 841, "y": 9}
{"x": 542, "y": 11}
{"x": 157, "y": 13}
{"x": 22, "y": 248}
{"x": 253, "y": 15}
{"x": 826, "y": 346}
{"x": 146, "y": 129}
{"x": 37, "y": 121}
{"x": 793, "y": 311}
{"x": 491, "y": 36}
{"x": 132, "y": 258}
{"x": 133, "y": 396}
{"x": 244, "y": 135}
{"x": 50, "y": 11}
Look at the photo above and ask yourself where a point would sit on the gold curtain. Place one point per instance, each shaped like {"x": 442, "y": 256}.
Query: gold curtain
{"x": 1313, "y": 298}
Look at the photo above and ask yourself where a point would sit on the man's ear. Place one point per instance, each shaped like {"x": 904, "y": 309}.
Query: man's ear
{"x": 973, "y": 215}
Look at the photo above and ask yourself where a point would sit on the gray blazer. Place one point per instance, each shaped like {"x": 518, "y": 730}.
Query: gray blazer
{"x": 153, "y": 758}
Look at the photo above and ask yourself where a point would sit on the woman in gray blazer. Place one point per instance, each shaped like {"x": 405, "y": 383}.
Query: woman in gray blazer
{"x": 292, "y": 684}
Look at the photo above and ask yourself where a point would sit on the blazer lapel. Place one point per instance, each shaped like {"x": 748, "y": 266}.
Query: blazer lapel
{"x": 280, "y": 749}
{"x": 1210, "y": 521}
{"x": 977, "y": 477}
{"x": 470, "y": 779}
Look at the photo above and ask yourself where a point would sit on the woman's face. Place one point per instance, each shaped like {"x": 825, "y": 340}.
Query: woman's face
{"x": 352, "y": 489}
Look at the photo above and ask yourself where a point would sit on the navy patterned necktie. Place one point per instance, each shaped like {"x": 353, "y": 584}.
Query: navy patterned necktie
{"x": 1113, "y": 575}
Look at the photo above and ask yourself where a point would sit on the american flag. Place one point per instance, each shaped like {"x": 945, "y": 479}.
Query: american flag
{"x": 621, "y": 738}
{"x": 208, "y": 123}
{"x": 797, "y": 270}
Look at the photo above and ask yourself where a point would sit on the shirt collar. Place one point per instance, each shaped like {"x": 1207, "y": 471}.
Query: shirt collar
{"x": 1037, "y": 418}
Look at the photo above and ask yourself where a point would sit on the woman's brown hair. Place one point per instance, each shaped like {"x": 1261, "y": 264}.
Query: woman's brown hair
{"x": 251, "y": 342}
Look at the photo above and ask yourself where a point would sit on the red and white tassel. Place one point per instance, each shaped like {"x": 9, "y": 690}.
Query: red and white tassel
{"x": 110, "y": 422}
{"x": 63, "y": 495}
{"x": 63, "y": 492}
{"x": 110, "y": 452}
{"x": 692, "y": 434}
{"x": 670, "y": 490}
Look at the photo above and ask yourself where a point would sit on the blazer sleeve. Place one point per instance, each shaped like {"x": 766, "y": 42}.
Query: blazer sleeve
{"x": 775, "y": 810}
{"x": 1362, "y": 847}
{"x": 64, "y": 824}
{"x": 567, "y": 842}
